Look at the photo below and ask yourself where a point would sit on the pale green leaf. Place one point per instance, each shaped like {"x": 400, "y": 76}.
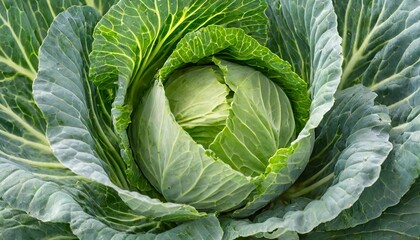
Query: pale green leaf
{"x": 182, "y": 170}
{"x": 235, "y": 45}
{"x": 260, "y": 121}
{"x": 198, "y": 100}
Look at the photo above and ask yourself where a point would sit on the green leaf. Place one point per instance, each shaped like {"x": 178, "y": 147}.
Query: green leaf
{"x": 20, "y": 42}
{"x": 32, "y": 180}
{"x": 383, "y": 54}
{"x": 22, "y": 126}
{"x": 260, "y": 121}
{"x": 134, "y": 39}
{"x": 288, "y": 34}
{"x": 17, "y": 224}
{"x": 304, "y": 33}
{"x": 393, "y": 67}
{"x": 182, "y": 170}
{"x": 351, "y": 163}
{"x": 378, "y": 36}
{"x": 398, "y": 222}
{"x": 102, "y": 6}
{"x": 79, "y": 138}
{"x": 23, "y": 26}
{"x": 399, "y": 171}
{"x": 21, "y": 123}
{"x": 370, "y": 124}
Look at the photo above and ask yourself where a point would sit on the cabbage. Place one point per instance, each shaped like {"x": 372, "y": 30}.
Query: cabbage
{"x": 197, "y": 119}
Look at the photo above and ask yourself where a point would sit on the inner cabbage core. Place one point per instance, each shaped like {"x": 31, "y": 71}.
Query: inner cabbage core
{"x": 200, "y": 101}
{"x": 233, "y": 111}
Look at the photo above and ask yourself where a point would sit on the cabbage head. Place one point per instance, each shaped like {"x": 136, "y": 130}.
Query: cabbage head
{"x": 197, "y": 119}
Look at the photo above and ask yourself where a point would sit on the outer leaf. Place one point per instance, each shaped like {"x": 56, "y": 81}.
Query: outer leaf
{"x": 24, "y": 143}
{"x": 92, "y": 210}
{"x": 384, "y": 57}
{"x": 177, "y": 166}
{"x": 22, "y": 127}
{"x": 399, "y": 222}
{"x": 23, "y": 26}
{"x": 134, "y": 39}
{"x": 15, "y": 224}
{"x": 380, "y": 40}
{"x": 260, "y": 121}
{"x": 367, "y": 137}
{"x": 102, "y": 121}
{"x": 316, "y": 23}
{"x": 399, "y": 171}
{"x": 356, "y": 155}
{"x": 288, "y": 34}
{"x": 304, "y": 33}
{"x": 21, "y": 124}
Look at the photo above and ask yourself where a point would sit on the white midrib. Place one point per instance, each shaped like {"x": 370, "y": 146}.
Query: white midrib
{"x": 18, "y": 68}
{"x": 358, "y": 54}
{"x": 32, "y": 162}
{"x": 58, "y": 177}
{"x": 51, "y": 9}
{"x": 25, "y": 141}
{"x": 400, "y": 102}
{"x": 25, "y": 125}
{"x": 355, "y": 58}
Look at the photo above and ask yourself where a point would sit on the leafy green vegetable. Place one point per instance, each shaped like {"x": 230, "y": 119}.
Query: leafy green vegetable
{"x": 197, "y": 119}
